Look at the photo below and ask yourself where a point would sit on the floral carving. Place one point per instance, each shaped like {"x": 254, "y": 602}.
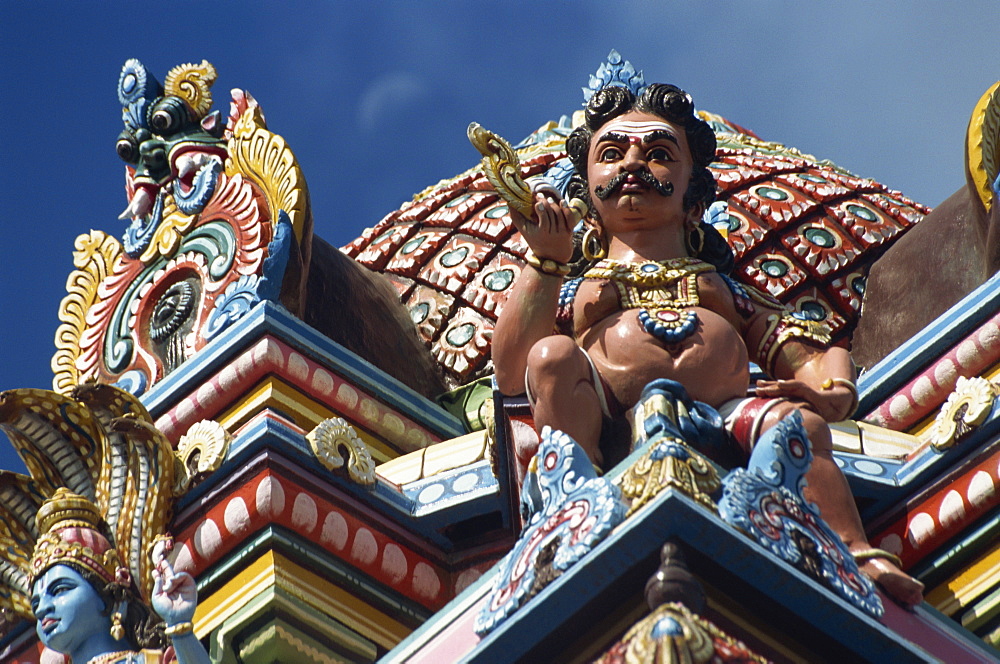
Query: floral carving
{"x": 965, "y": 409}
{"x": 326, "y": 441}
{"x": 201, "y": 451}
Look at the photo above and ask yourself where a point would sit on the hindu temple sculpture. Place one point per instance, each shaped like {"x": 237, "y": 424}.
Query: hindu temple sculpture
{"x": 218, "y": 220}
{"x": 85, "y": 603}
{"x": 651, "y": 299}
{"x": 84, "y": 536}
{"x": 592, "y": 327}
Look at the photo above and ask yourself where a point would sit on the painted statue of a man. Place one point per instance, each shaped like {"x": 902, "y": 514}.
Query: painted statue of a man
{"x": 654, "y": 302}
{"x": 86, "y": 605}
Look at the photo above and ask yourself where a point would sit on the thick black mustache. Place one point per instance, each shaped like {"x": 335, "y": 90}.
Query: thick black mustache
{"x": 644, "y": 175}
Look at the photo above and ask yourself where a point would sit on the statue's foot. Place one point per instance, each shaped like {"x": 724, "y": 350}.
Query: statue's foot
{"x": 882, "y": 568}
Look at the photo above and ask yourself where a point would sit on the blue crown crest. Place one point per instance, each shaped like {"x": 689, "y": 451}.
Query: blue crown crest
{"x": 615, "y": 71}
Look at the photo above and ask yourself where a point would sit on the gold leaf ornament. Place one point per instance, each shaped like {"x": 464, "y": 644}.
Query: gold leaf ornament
{"x": 688, "y": 472}
{"x": 191, "y": 83}
{"x": 966, "y": 408}
{"x": 265, "y": 159}
{"x": 983, "y": 144}
{"x": 332, "y": 435}
{"x": 94, "y": 258}
{"x": 502, "y": 168}
{"x": 669, "y": 635}
{"x": 169, "y": 233}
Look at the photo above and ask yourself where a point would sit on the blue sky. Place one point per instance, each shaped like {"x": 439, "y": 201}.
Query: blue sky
{"x": 374, "y": 98}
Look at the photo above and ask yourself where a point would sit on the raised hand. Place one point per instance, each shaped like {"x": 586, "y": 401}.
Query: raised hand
{"x": 549, "y": 233}
{"x": 175, "y": 595}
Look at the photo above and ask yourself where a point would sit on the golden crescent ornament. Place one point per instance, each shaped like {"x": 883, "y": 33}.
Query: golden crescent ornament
{"x": 502, "y": 168}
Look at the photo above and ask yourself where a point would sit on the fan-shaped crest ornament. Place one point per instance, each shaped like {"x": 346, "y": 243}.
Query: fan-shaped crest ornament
{"x": 615, "y": 71}
{"x": 765, "y": 501}
{"x": 568, "y": 510}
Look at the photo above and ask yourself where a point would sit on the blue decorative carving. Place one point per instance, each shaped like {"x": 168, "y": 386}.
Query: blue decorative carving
{"x": 616, "y": 71}
{"x": 765, "y": 501}
{"x": 569, "y": 511}
{"x": 717, "y": 216}
{"x": 134, "y": 115}
{"x": 557, "y": 176}
{"x": 241, "y": 295}
{"x": 548, "y": 132}
{"x": 278, "y": 250}
{"x": 694, "y": 422}
{"x": 239, "y": 298}
{"x": 135, "y": 83}
{"x": 201, "y": 188}
{"x": 140, "y": 231}
{"x": 133, "y": 382}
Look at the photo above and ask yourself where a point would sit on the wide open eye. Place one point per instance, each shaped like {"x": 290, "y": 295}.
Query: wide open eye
{"x": 611, "y": 154}
{"x": 127, "y": 148}
{"x": 659, "y": 154}
{"x": 168, "y": 116}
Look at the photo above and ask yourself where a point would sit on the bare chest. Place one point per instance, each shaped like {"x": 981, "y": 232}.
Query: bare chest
{"x": 669, "y": 306}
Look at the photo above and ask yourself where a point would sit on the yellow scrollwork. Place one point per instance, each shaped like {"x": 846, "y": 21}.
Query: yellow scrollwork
{"x": 502, "y": 168}
{"x": 264, "y": 158}
{"x": 169, "y": 233}
{"x": 670, "y": 463}
{"x": 94, "y": 259}
{"x": 327, "y": 439}
{"x": 201, "y": 450}
{"x": 983, "y": 144}
{"x": 671, "y": 634}
{"x": 191, "y": 83}
{"x": 965, "y": 409}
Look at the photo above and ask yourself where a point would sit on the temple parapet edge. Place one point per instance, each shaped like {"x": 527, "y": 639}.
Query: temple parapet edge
{"x": 344, "y": 483}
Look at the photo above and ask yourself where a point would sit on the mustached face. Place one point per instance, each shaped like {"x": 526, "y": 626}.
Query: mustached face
{"x": 636, "y": 163}
{"x": 643, "y": 175}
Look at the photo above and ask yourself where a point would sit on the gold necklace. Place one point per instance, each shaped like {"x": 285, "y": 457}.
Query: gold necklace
{"x": 662, "y": 291}
{"x": 108, "y": 657}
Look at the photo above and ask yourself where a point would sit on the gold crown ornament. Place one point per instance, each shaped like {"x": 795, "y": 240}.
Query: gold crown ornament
{"x": 69, "y": 527}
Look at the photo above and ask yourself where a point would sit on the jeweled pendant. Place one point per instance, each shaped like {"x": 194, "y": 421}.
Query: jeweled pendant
{"x": 668, "y": 324}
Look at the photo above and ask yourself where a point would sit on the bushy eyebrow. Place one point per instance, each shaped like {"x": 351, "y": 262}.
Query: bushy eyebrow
{"x": 647, "y": 138}
{"x": 660, "y": 134}
{"x": 614, "y": 137}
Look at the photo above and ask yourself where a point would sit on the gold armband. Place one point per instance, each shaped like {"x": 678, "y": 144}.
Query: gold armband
{"x": 861, "y": 557}
{"x": 784, "y": 328}
{"x": 179, "y": 629}
{"x": 546, "y": 265}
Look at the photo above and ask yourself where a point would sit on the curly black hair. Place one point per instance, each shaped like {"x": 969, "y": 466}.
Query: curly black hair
{"x": 674, "y": 105}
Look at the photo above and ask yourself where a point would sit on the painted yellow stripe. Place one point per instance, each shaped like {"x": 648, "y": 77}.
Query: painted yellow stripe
{"x": 307, "y": 413}
{"x": 273, "y": 569}
{"x": 962, "y": 589}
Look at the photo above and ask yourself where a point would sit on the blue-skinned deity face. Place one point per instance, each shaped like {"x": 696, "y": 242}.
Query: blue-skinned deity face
{"x": 68, "y": 609}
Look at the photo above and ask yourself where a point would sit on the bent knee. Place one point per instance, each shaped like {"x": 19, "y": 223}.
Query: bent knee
{"x": 557, "y": 357}
{"x": 816, "y": 427}
{"x": 556, "y": 351}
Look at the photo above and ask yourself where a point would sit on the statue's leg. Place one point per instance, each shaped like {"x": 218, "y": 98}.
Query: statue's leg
{"x": 561, "y": 383}
{"x": 828, "y": 489}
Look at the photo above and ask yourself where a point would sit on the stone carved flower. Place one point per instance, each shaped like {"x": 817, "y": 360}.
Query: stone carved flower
{"x": 966, "y": 408}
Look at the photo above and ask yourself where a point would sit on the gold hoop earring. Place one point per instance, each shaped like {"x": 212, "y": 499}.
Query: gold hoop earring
{"x": 594, "y": 246}
{"x": 696, "y": 233}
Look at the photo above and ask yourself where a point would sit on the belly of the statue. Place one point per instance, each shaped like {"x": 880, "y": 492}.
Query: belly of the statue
{"x": 711, "y": 363}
